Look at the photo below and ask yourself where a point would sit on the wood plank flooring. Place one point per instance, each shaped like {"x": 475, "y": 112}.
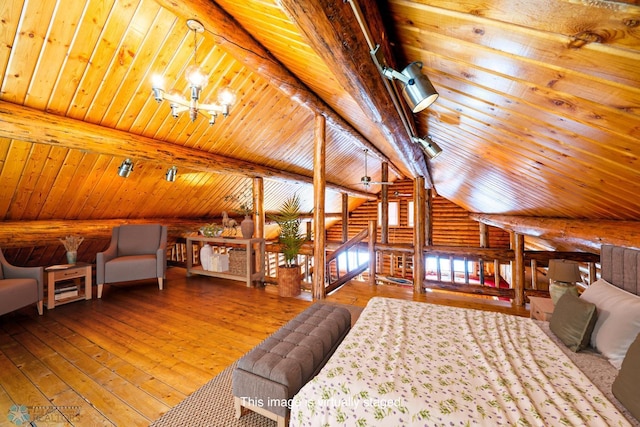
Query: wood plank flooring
{"x": 129, "y": 357}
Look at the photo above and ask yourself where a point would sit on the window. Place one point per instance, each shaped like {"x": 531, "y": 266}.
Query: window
{"x": 410, "y": 213}
{"x": 433, "y": 264}
{"x": 394, "y": 217}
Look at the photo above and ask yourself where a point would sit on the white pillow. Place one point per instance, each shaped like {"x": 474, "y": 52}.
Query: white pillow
{"x": 618, "y": 321}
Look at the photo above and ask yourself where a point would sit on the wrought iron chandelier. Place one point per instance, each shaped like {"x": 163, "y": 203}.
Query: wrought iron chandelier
{"x": 197, "y": 80}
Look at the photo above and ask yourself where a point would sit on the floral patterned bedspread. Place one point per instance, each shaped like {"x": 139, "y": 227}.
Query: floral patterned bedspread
{"x": 417, "y": 364}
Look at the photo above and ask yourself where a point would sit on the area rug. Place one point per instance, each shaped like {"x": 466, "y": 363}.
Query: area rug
{"x": 211, "y": 406}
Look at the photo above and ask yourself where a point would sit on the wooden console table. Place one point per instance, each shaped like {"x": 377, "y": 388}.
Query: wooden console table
{"x": 254, "y": 257}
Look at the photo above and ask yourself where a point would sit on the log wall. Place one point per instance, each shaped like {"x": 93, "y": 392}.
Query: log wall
{"x": 452, "y": 225}
{"x": 36, "y": 243}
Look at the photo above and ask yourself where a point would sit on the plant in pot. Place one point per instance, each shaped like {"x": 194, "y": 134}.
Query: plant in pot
{"x": 291, "y": 240}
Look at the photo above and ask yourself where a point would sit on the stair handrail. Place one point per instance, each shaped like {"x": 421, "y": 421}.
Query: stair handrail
{"x": 356, "y": 241}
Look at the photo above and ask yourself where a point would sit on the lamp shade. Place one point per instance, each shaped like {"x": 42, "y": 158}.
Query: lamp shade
{"x": 562, "y": 270}
{"x": 419, "y": 92}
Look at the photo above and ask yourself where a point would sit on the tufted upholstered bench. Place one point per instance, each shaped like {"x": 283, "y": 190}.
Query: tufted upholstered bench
{"x": 267, "y": 377}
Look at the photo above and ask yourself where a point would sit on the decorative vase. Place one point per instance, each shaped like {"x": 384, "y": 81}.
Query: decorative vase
{"x": 72, "y": 257}
{"x": 247, "y": 227}
{"x": 205, "y": 256}
{"x": 289, "y": 281}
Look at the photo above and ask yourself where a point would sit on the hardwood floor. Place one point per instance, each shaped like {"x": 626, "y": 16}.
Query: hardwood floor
{"x": 129, "y": 357}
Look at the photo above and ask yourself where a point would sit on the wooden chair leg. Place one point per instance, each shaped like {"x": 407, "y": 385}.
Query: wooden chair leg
{"x": 237, "y": 404}
{"x": 160, "y": 282}
{"x": 100, "y": 291}
{"x": 40, "y": 307}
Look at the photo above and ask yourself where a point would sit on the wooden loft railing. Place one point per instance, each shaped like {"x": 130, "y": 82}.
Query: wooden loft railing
{"x": 345, "y": 263}
{"x": 274, "y": 257}
{"x": 478, "y": 271}
{"x": 482, "y": 272}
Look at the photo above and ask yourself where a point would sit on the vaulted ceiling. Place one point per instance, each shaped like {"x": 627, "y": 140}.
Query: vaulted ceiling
{"x": 538, "y": 113}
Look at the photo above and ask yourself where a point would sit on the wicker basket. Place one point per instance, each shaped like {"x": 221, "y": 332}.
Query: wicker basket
{"x": 238, "y": 262}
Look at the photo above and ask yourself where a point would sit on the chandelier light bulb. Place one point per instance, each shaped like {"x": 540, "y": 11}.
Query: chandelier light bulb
{"x": 157, "y": 81}
{"x": 226, "y": 96}
{"x": 157, "y": 86}
{"x": 196, "y": 77}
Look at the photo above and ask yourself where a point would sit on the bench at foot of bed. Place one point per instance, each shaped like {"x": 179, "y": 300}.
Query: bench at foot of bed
{"x": 267, "y": 378}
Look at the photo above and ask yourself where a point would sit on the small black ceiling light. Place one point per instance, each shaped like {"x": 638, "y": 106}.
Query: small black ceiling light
{"x": 171, "y": 174}
{"x": 124, "y": 170}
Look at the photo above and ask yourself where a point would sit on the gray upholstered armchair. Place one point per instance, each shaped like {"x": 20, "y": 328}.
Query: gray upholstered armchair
{"x": 20, "y": 286}
{"x": 136, "y": 252}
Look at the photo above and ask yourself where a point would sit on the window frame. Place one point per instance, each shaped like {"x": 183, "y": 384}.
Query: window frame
{"x": 392, "y": 211}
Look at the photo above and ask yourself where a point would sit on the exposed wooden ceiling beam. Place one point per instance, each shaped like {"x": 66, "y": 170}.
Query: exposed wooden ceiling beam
{"x": 20, "y": 234}
{"x": 17, "y": 234}
{"x": 333, "y": 32}
{"x": 587, "y": 233}
{"x": 231, "y": 36}
{"x": 30, "y": 125}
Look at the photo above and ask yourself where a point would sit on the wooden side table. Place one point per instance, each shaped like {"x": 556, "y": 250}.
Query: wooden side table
{"x": 59, "y": 273}
{"x": 541, "y": 308}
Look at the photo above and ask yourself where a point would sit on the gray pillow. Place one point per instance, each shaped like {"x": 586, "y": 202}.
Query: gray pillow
{"x": 626, "y": 387}
{"x": 573, "y": 321}
{"x": 618, "y": 321}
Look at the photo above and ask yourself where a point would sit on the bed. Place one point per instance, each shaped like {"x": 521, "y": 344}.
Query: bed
{"x": 409, "y": 363}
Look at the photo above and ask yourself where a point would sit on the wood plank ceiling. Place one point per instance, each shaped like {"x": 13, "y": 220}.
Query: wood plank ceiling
{"x": 538, "y": 113}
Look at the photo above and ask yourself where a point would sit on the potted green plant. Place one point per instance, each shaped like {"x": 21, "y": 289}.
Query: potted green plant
{"x": 291, "y": 240}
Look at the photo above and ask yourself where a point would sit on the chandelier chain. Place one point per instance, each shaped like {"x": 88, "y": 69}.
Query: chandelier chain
{"x": 195, "y": 47}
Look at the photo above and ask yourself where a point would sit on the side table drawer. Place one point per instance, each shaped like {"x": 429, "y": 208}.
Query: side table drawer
{"x": 541, "y": 308}
{"x": 537, "y": 313}
{"x": 69, "y": 274}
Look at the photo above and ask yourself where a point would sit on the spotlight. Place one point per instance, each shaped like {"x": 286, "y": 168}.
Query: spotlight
{"x": 124, "y": 170}
{"x": 430, "y": 148}
{"x": 171, "y": 174}
{"x": 418, "y": 90}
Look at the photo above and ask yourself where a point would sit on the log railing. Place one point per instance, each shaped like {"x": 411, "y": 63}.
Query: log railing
{"x": 273, "y": 257}
{"x": 468, "y": 270}
{"x": 348, "y": 261}
{"x": 477, "y": 271}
